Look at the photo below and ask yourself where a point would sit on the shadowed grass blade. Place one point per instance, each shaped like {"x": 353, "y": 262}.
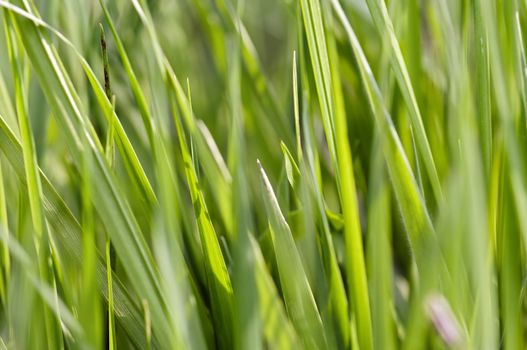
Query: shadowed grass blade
{"x": 295, "y": 288}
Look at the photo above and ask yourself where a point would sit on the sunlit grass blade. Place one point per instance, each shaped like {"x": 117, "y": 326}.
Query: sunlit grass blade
{"x": 305, "y": 187}
{"x": 168, "y": 240}
{"x": 334, "y": 119}
{"x": 218, "y": 279}
{"x": 134, "y": 84}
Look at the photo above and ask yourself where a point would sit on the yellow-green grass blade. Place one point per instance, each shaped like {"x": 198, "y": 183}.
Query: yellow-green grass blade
{"x": 90, "y": 311}
{"x": 310, "y": 175}
{"x": 510, "y": 271}
{"x": 134, "y": 83}
{"x": 218, "y": 279}
{"x": 334, "y": 117}
{"x": 482, "y": 90}
{"x": 338, "y": 304}
{"x": 379, "y": 253}
{"x": 507, "y": 104}
{"x": 315, "y": 33}
{"x": 478, "y": 247}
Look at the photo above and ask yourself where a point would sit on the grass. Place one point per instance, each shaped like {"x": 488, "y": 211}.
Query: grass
{"x": 318, "y": 174}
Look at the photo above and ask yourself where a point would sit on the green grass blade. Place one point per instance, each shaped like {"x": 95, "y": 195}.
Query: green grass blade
{"x": 247, "y": 312}
{"x": 219, "y": 283}
{"x": 34, "y": 188}
{"x": 69, "y": 237}
{"x": 413, "y": 209}
{"x": 379, "y": 255}
{"x": 483, "y": 91}
{"x": 111, "y": 205}
{"x": 277, "y": 328}
{"x": 58, "y": 74}
{"x": 384, "y": 25}
{"x": 334, "y": 118}
{"x": 112, "y": 342}
{"x": 297, "y": 292}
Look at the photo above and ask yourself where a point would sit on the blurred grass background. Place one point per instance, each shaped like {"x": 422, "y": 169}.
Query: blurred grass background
{"x": 261, "y": 174}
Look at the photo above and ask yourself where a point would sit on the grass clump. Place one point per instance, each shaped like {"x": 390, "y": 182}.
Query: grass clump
{"x": 319, "y": 174}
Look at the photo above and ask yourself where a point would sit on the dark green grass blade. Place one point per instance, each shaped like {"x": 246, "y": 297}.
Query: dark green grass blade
{"x": 384, "y": 25}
